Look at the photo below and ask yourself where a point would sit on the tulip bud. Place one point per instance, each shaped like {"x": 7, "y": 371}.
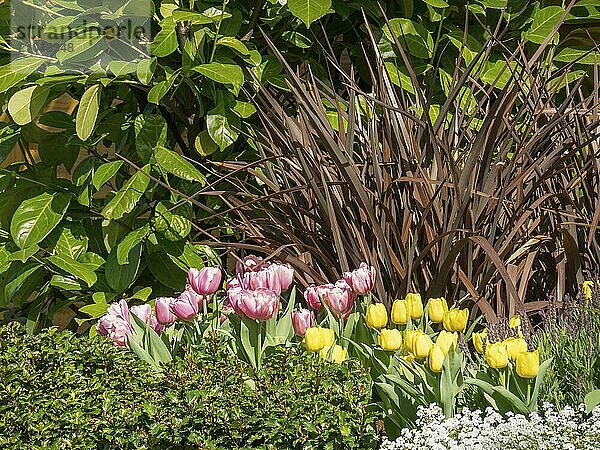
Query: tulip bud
{"x": 302, "y": 320}
{"x": 414, "y": 305}
{"x": 496, "y": 356}
{"x": 422, "y": 345}
{"x": 456, "y": 320}
{"x": 400, "y": 312}
{"x": 446, "y": 341}
{"x": 515, "y": 346}
{"x": 283, "y": 274}
{"x": 335, "y": 353}
{"x": 144, "y": 313}
{"x": 339, "y": 298}
{"x": 390, "y": 340}
{"x": 436, "y": 308}
{"x": 436, "y": 358}
{"x": 260, "y": 304}
{"x": 528, "y": 364}
{"x": 313, "y": 297}
{"x": 162, "y": 305}
{"x": 362, "y": 279}
{"x": 185, "y": 306}
{"x": 250, "y": 263}
{"x": 376, "y": 315}
{"x": 479, "y": 340}
{"x": 205, "y": 281}
{"x": 317, "y": 338}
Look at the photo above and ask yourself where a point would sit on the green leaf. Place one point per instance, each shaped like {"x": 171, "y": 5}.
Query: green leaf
{"x": 413, "y": 36}
{"x": 25, "y": 254}
{"x": 82, "y": 47}
{"x": 171, "y": 225}
{"x": 580, "y": 55}
{"x": 543, "y": 23}
{"x": 204, "y": 144}
{"x": 25, "y": 104}
{"x": 234, "y": 44}
{"x": 309, "y": 10}
{"x": 145, "y": 70}
{"x": 218, "y": 123}
{"x": 130, "y": 241}
{"x": 230, "y": 75}
{"x": 121, "y": 276}
{"x": 126, "y": 199}
{"x": 105, "y": 172}
{"x": 74, "y": 267}
{"x": 95, "y": 310}
{"x": 36, "y": 217}
{"x": 20, "y": 281}
{"x": 70, "y": 240}
{"x": 177, "y": 165}
{"x": 243, "y": 109}
{"x": 87, "y": 112}
{"x": 592, "y": 400}
{"x": 437, "y": 3}
{"x": 17, "y": 70}
{"x": 150, "y": 132}
{"x": 165, "y": 42}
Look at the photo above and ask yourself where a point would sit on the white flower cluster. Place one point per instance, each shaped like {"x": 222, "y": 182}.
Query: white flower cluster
{"x": 568, "y": 429}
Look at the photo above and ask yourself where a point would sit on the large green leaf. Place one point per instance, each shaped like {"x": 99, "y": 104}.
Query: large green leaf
{"x": 19, "y": 282}
{"x": 309, "y": 10}
{"x": 219, "y": 124}
{"x": 87, "y": 113}
{"x": 176, "y": 164}
{"x": 412, "y": 35}
{"x": 25, "y": 104}
{"x": 121, "y": 276}
{"x": 150, "y": 132}
{"x": 125, "y": 200}
{"x": 165, "y": 42}
{"x": 69, "y": 239}
{"x": 73, "y": 267}
{"x": 227, "y": 74}
{"x": 36, "y": 217}
{"x": 543, "y": 23}
{"x": 105, "y": 172}
{"x": 18, "y": 70}
{"x": 130, "y": 241}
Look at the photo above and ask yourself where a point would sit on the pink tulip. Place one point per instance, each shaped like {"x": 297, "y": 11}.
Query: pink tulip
{"x": 302, "y": 320}
{"x": 250, "y": 263}
{"x": 116, "y": 323}
{"x": 200, "y": 299}
{"x": 233, "y": 300}
{"x": 339, "y": 298}
{"x": 162, "y": 305}
{"x": 144, "y": 313}
{"x": 284, "y": 274}
{"x": 260, "y": 304}
{"x": 361, "y": 280}
{"x": 265, "y": 278}
{"x": 233, "y": 283}
{"x": 185, "y": 306}
{"x": 311, "y": 295}
{"x": 205, "y": 281}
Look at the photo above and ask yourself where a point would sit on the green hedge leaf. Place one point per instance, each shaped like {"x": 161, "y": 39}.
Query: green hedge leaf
{"x": 17, "y": 70}
{"x": 126, "y": 199}
{"x": 87, "y": 113}
{"x": 25, "y": 104}
{"x": 309, "y": 10}
{"x": 543, "y": 23}
{"x": 176, "y": 164}
{"x": 228, "y": 74}
{"x": 71, "y": 266}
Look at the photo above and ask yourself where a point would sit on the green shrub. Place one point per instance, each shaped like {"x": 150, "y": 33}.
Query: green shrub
{"x": 59, "y": 391}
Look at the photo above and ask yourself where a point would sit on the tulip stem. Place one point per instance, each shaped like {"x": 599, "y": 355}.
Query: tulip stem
{"x": 341, "y": 326}
{"x": 528, "y": 392}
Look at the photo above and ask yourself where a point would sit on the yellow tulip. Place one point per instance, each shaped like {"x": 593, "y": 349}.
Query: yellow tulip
{"x": 514, "y": 346}
{"x": 336, "y": 353}
{"x": 390, "y": 340}
{"x": 422, "y": 345}
{"x": 400, "y": 312}
{"x": 436, "y": 308}
{"x": 446, "y": 341}
{"x": 317, "y": 338}
{"x": 456, "y": 320}
{"x": 479, "y": 340}
{"x": 377, "y": 315}
{"x": 515, "y": 321}
{"x": 415, "y": 305}
{"x": 528, "y": 364}
{"x": 436, "y": 358}
{"x": 587, "y": 289}
{"x": 496, "y": 356}
{"x": 409, "y": 339}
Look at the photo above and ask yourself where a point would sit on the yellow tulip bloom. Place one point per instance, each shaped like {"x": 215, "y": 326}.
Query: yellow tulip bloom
{"x": 377, "y": 315}
{"x": 409, "y": 339}
{"x": 515, "y": 346}
{"x": 496, "y": 356}
{"x": 390, "y": 340}
{"x": 436, "y": 358}
{"x": 422, "y": 345}
{"x": 446, "y": 341}
{"x": 400, "y": 312}
{"x": 456, "y": 320}
{"x": 436, "y": 308}
{"x": 479, "y": 340}
{"x": 336, "y": 353}
{"x": 317, "y": 338}
{"x": 528, "y": 364}
{"x": 415, "y": 305}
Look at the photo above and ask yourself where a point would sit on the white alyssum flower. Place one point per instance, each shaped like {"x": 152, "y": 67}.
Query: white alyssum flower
{"x": 567, "y": 429}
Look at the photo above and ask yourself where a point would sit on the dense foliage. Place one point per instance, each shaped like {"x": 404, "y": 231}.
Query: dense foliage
{"x": 60, "y": 391}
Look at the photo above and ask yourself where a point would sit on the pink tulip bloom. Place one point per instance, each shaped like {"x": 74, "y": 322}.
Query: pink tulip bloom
{"x": 302, "y": 320}
{"x": 205, "y": 281}
{"x": 144, "y": 313}
{"x": 250, "y": 263}
{"x": 185, "y": 306}
{"x": 233, "y": 283}
{"x": 265, "y": 278}
{"x": 284, "y": 274}
{"x": 116, "y": 323}
{"x": 311, "y": 295}
{"x": 200, "y": 299}
{"x": 339, "y": 298}
{"x": 164, "y": 315}
{"x": 361, "y": 280}
{"x": 233, "y": 300}
{"x": 260, "y": 304}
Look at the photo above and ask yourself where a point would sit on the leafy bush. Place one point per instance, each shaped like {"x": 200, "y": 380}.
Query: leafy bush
{"x": 571, "y": 336}
{"x": 59, "y": 391}
{"x": 488, "y": 430}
